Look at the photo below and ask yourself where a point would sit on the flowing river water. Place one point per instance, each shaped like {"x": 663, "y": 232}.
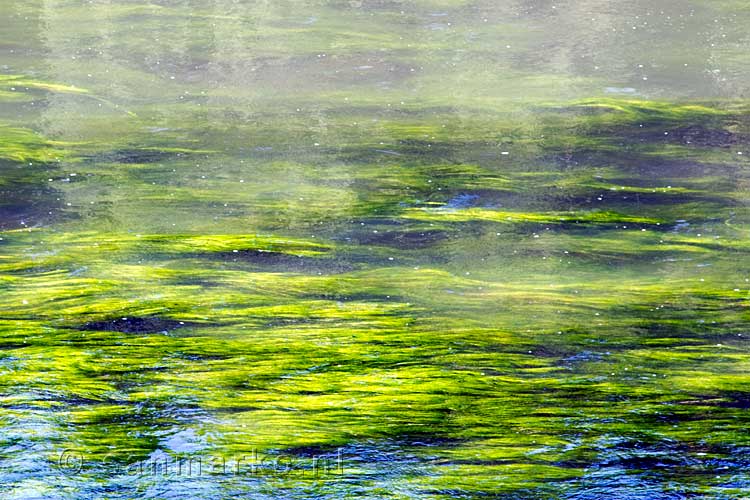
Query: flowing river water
{"x": 388, "y": 249}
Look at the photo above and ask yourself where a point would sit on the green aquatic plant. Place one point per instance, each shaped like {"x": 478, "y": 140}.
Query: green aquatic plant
{"x": 506, "y": 217}
{"x": 23, "y": 145}
{"x": 482, "y": 315}
{"x": 22, "y": 88}
{"x": 14, "y": 86}
{"x": 646, "y": 112}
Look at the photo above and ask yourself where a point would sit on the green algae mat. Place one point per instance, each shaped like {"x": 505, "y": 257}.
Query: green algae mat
{"x": 377, "y": 249}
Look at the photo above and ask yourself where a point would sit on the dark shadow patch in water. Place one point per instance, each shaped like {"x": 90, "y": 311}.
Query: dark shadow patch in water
{"x": 552, "y": 199}
{"x": 723, "y": 399}
{"x": 282, "y": 262}
{"x": 623, "y": 200}
{"x": 146, "y": 324}
{"x": 615, "y": 483}
{"x": 709, "y": 135}
{"x": 651, "y": 453}
{"x": 405, "y": 240}
{"x": 311, "y": 451}
{"x": 26, "y": 197}
{"x": 737, "y": 400}
{"x": 413, "y": 152}
{"x": 464, "y": 200}
{"x": 647, "y": 167}
{"x": 690, "y": 330}
{"x": 18, "y": 214}
{"x": 134, "y": 156}
{"x": 646, "y": 460}
{"x": 705, "y": 137}
{"x": 719, "y": 184}
{"x": 12, "y": 346}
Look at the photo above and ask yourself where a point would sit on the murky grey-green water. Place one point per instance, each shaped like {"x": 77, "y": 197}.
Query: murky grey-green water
{"x": 374, "y": 249}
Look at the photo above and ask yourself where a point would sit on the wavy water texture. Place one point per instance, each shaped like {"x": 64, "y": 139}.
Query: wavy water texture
{"x": 374, "y": 249}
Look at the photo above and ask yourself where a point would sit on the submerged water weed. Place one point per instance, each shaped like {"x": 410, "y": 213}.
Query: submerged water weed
{"x": 479, "y": 326}
{"x": 16, "y": 86}
{"x": 24, "y": 146}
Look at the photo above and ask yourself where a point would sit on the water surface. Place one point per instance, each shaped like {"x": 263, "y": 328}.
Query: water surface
{"x": 375, "y": 249}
